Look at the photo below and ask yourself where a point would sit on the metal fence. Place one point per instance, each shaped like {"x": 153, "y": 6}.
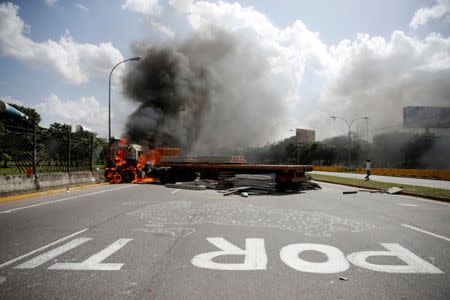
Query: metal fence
{"x": 42, "y": 150}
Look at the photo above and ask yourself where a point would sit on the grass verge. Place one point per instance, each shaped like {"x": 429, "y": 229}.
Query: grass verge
{"x": 433, "y": 193}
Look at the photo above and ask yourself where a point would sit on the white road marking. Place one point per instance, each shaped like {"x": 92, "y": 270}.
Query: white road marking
{"x": 94, "y": 263}
{"x": 427, "y": 232}
{"x": 42, "y": 248}
{"x": 43, "y": 258}
{"x": 255, "y": 257}
{"x": 335, "y": 263}
{"x": 404, "y": 204}
{"x": 414, "y": 264}
{"x": 177, "y": 190}
{"x": 64, "y": 199}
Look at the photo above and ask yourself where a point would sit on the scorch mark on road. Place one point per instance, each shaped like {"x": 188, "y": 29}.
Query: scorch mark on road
{"x": 311, "y": 223}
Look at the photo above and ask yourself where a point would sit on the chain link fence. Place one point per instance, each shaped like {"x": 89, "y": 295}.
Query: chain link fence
{"x": 39, "y": 150}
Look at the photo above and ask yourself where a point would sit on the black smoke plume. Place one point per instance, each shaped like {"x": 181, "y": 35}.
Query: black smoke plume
{"x": 210, "y": 91}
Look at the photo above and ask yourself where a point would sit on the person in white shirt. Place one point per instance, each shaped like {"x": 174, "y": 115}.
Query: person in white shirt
{"x": 368, "y": 167}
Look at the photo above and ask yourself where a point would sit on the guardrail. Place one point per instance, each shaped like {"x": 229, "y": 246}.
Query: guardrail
{"x": 428, "y": 174}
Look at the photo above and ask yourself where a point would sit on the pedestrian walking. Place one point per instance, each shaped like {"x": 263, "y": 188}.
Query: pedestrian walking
{"x": 368, "y": 167}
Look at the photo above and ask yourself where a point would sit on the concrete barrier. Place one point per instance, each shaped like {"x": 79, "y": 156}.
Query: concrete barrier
{"x": 22, "y": 183}
{"x": 428, "y": 174}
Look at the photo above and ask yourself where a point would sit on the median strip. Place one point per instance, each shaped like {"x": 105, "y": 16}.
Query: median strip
{"x": 411, "y": 190}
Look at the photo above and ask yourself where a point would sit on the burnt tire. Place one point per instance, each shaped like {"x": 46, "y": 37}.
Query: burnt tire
{"x": 163, "y": 178}
{"x": 127, "y": 176}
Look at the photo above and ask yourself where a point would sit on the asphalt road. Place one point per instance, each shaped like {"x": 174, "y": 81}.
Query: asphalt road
{"x": 440, "y": 184}
{"x": 151, "y": 242}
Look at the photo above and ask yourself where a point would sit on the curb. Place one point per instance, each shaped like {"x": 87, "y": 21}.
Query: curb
{"x": 50, "y": 192}
{"x": 438, "y": 198}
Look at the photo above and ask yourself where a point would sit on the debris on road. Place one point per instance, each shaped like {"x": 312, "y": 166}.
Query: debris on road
{"x": 311, "y": 185}
{"x": 349, "y": 192}
{"x": 370, "y": 191}
{"x": 186, "y": 186}
{"x": 208, "y": 183}
{"x": 258, "y": 183}
{"x": 243, "y": 184}
{"x": 252, "y": 184}
{"x": 237, "y": 190}
{"x": 343, "y": 278}
{"x": 393, "y": 190}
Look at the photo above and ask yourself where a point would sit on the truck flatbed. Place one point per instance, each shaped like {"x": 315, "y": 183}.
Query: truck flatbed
{"x": 287, "y": 168}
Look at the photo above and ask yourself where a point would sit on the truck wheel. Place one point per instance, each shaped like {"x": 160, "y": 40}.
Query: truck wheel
{"x": 127, "y": 176}
{"x": 163, "y": 178}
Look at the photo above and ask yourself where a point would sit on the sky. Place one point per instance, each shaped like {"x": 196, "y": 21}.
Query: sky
{"x": 347, "y": 58}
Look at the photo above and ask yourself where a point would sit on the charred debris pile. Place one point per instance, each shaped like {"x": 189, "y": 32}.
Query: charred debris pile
{"x": 243, "y": 184}
{"x": 232, "y": 175}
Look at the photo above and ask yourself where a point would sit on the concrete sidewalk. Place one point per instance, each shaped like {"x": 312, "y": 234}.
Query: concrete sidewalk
{"x": 440, "y": 184}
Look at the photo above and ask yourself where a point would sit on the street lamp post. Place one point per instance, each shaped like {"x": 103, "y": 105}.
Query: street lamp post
{"x": 367, "y": 128}
{"x": 349, "y": 125}
{"x": 109, "y": 102}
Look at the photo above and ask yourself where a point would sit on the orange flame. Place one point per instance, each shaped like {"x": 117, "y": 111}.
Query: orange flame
{"x": 144, "y": 180}
{"x": 122, "y": 164}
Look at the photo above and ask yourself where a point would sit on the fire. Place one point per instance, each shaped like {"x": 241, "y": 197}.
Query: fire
{"x": 126, "y": 167}
{"x": 144, "y": 180}
{"x": 119, "y": 158}
{"x": 132, "y": 163}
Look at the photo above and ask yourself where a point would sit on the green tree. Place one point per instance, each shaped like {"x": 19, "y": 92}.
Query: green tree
{"x": 33, "y": 117}
{"x": 59, "y": 127}
{"x": 6, "y": 158}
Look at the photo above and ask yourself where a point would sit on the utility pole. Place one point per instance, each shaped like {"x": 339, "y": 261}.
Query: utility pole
{"x": 34, "y": 149}
{"x": 68, "y": 151}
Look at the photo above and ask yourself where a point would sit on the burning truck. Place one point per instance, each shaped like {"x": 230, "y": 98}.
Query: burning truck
{"x": 131, "y": 164}
{"x": 134, "y": 163}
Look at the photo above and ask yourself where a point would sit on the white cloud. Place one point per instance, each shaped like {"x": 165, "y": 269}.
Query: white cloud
{"x": 377, "y": 77}
{"x": 147, "y": 7}
{"x": 81, "y": 7}
{"x": 164, "y": 29}
{"x": 75, "y": 62}
{"x": 8, "y": 99}
{"x": 51, "y": 2}
{"x": 425, "y": 14}
{"x": 85, "y": 111}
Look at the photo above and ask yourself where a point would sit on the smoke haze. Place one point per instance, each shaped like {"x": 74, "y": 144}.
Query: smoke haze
{"x": 377, "y": 77}
{"x": 252, "y": 85}
{"x": 209, "y": 91}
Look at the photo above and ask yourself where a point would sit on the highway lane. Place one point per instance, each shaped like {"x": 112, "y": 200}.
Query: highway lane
{"x": 150, "y": 242}
{"x": 439, "y": 184}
